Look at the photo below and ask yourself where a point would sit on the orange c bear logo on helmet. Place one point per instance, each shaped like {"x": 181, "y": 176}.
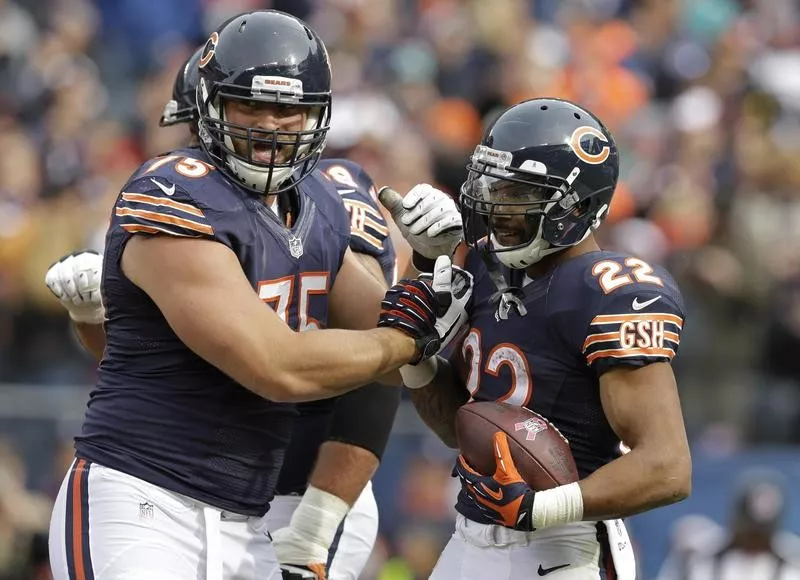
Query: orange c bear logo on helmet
{"x": 209, "y": 49}
{"x": 576, "y": 144}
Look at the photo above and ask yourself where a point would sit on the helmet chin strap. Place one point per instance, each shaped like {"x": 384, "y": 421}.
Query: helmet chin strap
{"x": 525, "y": 256}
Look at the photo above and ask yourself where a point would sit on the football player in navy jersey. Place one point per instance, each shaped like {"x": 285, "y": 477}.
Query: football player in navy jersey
{"x": 345, "y": 442}
{"x": 184, "y": 436}
{"x": 580, "y": 335}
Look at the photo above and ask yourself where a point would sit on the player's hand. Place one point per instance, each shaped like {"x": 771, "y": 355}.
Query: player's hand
{"x": 428, "y": 219}
{"x": 300, "y": 558}
{"x": 453, "y": 288}
{"x": 503, "y": 497}
{"x": 410, "y": 306}
{"x": 75, "y": 281}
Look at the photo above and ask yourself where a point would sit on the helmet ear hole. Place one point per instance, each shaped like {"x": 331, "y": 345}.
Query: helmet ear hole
{"x": 582, "y": 208}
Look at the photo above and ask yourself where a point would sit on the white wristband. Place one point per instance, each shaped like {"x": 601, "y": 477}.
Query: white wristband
{"x": 560, "y": 505}
{"x": 318, "y": 516}
{"x": 420, "y": 375}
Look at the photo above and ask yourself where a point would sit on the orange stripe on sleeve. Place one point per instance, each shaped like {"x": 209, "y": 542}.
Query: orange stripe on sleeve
{"x": 139, "y": 228}
{"x": 629, "y": 352}
{"x": 165, "y": 219}
{"x": 620, "y": 318}
{"x": 153, "y": 200}
{"x": 600, "y": 337}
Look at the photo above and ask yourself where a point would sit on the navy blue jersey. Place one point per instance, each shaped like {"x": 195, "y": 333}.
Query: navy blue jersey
{"x": 369, "y": 235}
{"x": 160, "y": 412}
{"x": 590, "y": 314}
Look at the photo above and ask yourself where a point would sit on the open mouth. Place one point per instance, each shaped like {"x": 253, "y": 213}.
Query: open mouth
{"x": 263, "y": 152}
{"x": 509, "y": 237}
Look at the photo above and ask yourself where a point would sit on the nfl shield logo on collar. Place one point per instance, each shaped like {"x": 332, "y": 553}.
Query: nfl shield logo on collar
{"x": 295, "y": 246}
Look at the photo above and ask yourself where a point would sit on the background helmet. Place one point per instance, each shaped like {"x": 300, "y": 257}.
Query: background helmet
{"x": 549, "y": 160}
{"x": 182, "y": 108}
{"x": 273, "y": 57}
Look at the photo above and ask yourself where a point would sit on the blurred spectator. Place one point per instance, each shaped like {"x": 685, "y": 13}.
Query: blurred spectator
{"x": 751, "y": 549}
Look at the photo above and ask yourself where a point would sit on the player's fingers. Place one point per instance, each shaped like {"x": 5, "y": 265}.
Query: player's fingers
{"x": 431, "y": 208}
{"x": 421, "y": 221}
{"x": 415, "y": 194}
{"x": 446, "y": 224}
{"x": 67, "y": 281}
{"x": 391, "y": 200}
{"x": 442, "y": 283}
{"x": 53, "y": 282}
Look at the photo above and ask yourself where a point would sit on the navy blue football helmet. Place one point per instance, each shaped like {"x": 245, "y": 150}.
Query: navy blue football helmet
{"x": 182, "y": 108}
{"x": 273, "y": 57}
{"x": 540, "y": 181}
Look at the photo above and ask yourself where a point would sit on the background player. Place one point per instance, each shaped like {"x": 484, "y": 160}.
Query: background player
{"x": 169, "y": 428}
{"x": 355, "y": 439}
{"x": 583, "y": 336}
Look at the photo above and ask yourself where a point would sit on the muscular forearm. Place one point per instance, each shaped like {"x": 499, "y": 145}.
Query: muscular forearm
{"x": 326, "y": 363}
{"x": 438, "y": 402}
{"x": 92, "y": 337}
{"x": 343, "y": 470}
{"x": 634, "y": 483}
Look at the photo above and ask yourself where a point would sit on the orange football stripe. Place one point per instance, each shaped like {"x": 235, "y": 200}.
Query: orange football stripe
{"x": 77, "y": 520}
{"x": 153, "y": 200}
{"x": 620, "y": 318}
{"x": 672, "y": 336}
{"x": 139, "y": 228}
{"x": 628, "y": 352}
{"x": 165, "y": 219}
{"x": 600, "y": 337}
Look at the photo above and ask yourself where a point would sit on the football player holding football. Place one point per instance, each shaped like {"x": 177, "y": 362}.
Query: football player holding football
{"x": 186, "y": 431}
{"x": 580, "y": 335}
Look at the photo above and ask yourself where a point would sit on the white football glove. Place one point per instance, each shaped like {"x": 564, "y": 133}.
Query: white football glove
{"x": 428, "y": 219}
{"x": 75, "y": 281}
{"x": 453, "y": 288}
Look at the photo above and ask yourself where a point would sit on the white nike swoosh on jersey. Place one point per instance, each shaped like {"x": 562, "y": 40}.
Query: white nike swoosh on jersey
{"x": 345, "y": 191}
{"x": 639, "y": 305}
{"x": 164, "y": 188}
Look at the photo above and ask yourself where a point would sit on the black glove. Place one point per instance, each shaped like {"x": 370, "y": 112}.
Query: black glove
{"x": 410, "y": 306}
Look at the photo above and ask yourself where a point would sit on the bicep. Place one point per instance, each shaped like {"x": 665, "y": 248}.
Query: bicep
{"x": 642, "y": 406}
{"x": 200, "y": 288}
{"x": 371, "y": 265}
{"x": 355, "y": 299}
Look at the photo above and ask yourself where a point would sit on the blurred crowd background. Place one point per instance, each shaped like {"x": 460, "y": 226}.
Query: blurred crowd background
{"x": 703, "y": 97}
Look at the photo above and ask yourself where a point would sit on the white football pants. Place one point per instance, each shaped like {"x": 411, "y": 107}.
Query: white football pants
{"x": 107, "y": 525}
{"x": 571, "y": 552}
{"x": 354, "y": 541}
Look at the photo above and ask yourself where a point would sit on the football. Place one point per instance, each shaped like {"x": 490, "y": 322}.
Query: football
{"x": 540, "y": 452}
